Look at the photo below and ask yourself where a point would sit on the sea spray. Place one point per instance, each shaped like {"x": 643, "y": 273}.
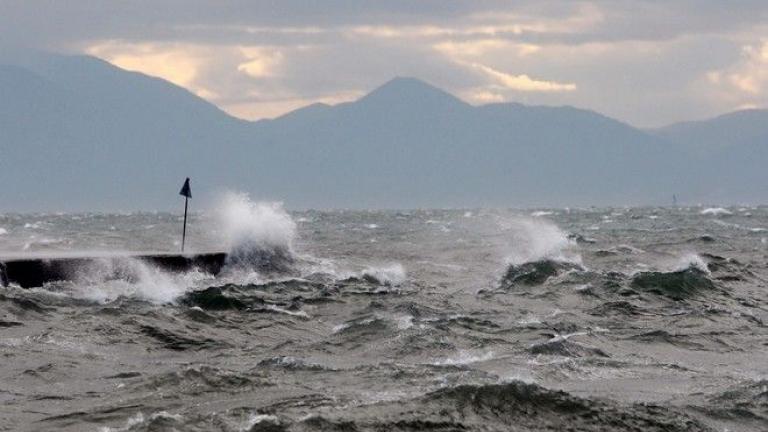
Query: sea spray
{"x": 388, "y": 275}
{"x": 533, "y": 240}
{"x": 259, "y": 235}
{"x": 538, "y": 250}
{"x": 691, "y": 260}
{"x": 107, "y": 279}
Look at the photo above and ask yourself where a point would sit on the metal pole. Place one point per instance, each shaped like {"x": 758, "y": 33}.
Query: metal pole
{"x": 184, "y": 232}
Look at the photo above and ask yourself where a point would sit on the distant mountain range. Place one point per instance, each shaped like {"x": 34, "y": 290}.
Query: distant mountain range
{"x": 77, "y": 133}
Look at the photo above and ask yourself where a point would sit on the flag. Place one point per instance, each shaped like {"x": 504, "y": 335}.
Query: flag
{"x": 185, "y": 190}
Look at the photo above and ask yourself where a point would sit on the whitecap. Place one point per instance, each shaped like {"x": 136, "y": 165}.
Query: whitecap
{"x": 536, "y": 239}
{"x": 390, "y": 275}
{"x": 541, "y": 213}
{"x": 464, "y": 357}
{"x": 716, "y": 211}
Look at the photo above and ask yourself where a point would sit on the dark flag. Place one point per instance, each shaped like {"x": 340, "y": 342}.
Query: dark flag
{"x": 186, "y": 190}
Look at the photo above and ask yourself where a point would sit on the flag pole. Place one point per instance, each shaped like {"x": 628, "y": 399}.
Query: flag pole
{"x": 187, "y": 192}
{"x": 184, "y": 231}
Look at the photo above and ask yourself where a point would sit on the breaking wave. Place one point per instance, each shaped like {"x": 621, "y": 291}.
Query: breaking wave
{"x": 677, "y": 285}
{"x": 537, "y": 240}
{"x": 259, "y": 235}
{"x": 390, "y": 275}
{"x": 716, "y": 211}
{"x": 106, "y": 279}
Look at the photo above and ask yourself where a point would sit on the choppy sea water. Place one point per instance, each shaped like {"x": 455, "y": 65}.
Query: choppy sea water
{"x": 648, "y": 319}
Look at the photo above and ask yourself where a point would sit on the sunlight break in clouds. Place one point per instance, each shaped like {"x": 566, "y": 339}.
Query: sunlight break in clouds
{"x": 743, "y": 84}
{"x": 261, "y": 62}
{"x": 636, "y": 61}
{"x": 751, "y": 76}
{"x": 177, "y": 63}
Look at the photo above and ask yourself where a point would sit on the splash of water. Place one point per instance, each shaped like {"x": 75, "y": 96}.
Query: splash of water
{"x": 259, "y": 235}
{"x": 107, "y": 279}
{"x": 389, "y": 275}
{"x": 537, "y": 239}
{"x": 691, "y": 260}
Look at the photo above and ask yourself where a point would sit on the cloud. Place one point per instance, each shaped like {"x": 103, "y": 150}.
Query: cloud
{"x": 480, "y": 47}
{"x": 751, "y": 75}
{"x": 645, "y": 62}
{"x": 743, "y": 83}
{"x": 261, "y": 61}
{"x": 523, "y": 82}
{"x": 483, "y": 96}
{"x": 176, "y": 63}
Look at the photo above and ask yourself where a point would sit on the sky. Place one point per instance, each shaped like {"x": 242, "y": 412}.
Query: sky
{"x": 648, "y": 63}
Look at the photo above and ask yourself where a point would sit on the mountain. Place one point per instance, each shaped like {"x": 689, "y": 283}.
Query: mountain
{"x": 79, "y": 133}
{"x": 730, "y": 153}
{"x": 409, "y": 144}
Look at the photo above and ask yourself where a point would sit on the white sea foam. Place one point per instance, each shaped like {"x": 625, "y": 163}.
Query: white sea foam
{"x": 716, "y": 211}
{"x": 390, "y": 275}
{"x": 106, "y": 279}
{"x": 691, "y": 260}
{"x": 139, "y": 419}
{"x": 404, "y": 322}
{"x": 541, "y": 213}
{"x": 277, "y": 309}
{"x": 464, "y": 357}
{"x": 3, "y": 231}
{"x": 256, "y": 419}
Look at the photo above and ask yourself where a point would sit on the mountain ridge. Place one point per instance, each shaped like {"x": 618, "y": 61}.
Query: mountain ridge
{"x": 98, "y": 129}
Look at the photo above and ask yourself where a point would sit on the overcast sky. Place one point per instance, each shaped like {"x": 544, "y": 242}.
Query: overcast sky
{"x": 648, "y": 63}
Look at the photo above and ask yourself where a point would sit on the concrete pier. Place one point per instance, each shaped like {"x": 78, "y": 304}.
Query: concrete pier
{"x": 29, "y": 272}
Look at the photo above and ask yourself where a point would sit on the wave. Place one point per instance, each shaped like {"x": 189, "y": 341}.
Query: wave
{"x": 291, "y": 363}
{"x": 259, "y": 235}
{"x": 561, "y": 346}
{"x": 677, "y": 285}
{"x": 746, "y": 401}
{"x": 177, "y": 341}
{"x": 528, "y": 406}
{"x": 214, "y": 298}
{"x": 716, "y": 211}
{"x": 106, "y": 279}
{"x": 534, "y": 240}
{"x": 390, "y": 275}
{"x": 535, "y": 273}
{"x": 200, "y": 379}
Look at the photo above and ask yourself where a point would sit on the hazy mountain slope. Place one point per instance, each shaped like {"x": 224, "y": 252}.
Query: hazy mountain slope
{"x": 408, "y": 143}
{"x": 79, "y": 133}
{"x": 740, "y": 128}
{"x": 109, "y": 136}
{"x": 728, "y": 155}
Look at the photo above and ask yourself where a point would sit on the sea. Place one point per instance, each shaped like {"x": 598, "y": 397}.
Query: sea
{"x": 567, "y": 319}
